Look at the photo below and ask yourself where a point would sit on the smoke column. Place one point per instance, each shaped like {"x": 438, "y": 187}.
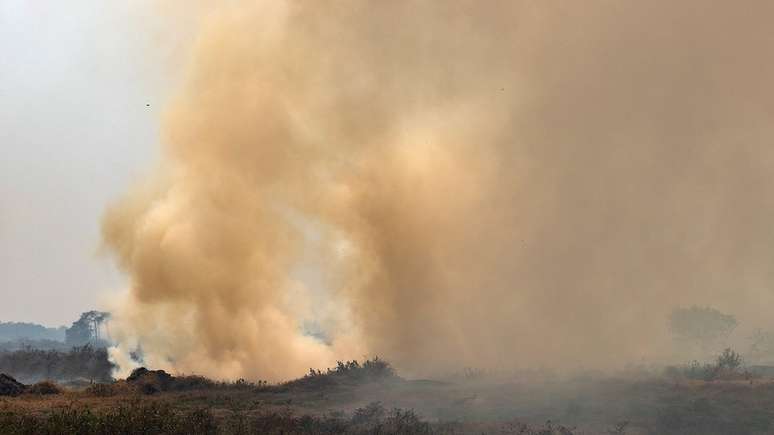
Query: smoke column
{"x": 451, "y": 183}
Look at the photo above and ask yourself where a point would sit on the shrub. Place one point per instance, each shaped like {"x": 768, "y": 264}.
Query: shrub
{"x": 44, "y": 387}
{"x": 185, "y": 383}
{"x": 729, "y": 360}
{"x": 404, "y": 422}
{"x": 372, "y": 412}
{"x": 10, "y": 386}
{"x": 727, "y": 366}
{"x": 149, "y": 389}
{"x": 347, "y": 372}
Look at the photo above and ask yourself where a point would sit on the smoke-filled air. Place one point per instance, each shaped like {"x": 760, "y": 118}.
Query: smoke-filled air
{"x": 449, "y": 184}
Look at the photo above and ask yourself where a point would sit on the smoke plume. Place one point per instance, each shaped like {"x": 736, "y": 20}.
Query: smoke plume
{"x": 451, "y": 183}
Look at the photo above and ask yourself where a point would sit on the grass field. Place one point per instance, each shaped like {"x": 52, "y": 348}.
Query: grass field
{"x": 358, "y": 401}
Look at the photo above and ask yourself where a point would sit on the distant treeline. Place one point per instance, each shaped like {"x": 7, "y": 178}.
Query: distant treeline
{"x": 24, "y": 343}
{"x": 13, "y": 331}
{"x": 89, "y": 329}
{"x": 84, "y": 364}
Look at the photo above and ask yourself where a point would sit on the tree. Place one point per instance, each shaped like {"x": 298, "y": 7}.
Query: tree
{"x": 86, "y": 330}
{"x": 729, "y": 360}
{"x": 702, "y": 326}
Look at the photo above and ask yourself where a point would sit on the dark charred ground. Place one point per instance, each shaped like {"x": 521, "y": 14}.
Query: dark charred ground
{"x": 370, "y": 398}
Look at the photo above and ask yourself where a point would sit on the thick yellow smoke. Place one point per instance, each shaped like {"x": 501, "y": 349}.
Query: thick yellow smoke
{"x": 451, "y": 183}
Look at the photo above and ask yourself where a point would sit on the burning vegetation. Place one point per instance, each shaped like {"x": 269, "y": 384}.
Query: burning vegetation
{"x": 483, "y": 185}
{"x": 370, "y": 398}
{"x": 540, "y": 192}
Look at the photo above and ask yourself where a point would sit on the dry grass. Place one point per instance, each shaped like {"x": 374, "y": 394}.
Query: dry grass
{"x": 349, "y": 402}
{"x": 44, "y": 388}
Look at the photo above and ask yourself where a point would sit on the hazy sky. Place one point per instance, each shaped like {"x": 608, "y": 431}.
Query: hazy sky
{"x": 75, "y": 78}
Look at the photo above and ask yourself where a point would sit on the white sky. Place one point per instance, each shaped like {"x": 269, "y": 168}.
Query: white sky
{"x": 75, "y": 78}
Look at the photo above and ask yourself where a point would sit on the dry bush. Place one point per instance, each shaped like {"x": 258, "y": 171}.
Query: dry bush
{"x": 728, "y": 366}
{"x": 345, "y": 373}
{"x": 44, "y": 388}
{"x": 10, "y": 386}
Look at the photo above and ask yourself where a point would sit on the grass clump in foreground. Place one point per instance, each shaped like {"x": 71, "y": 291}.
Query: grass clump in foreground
{"x": 151, "y": 418}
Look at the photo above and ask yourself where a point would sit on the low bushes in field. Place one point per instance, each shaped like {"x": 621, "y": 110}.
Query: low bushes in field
{"x": 727, "y": 366}
{"x": 349, "y": 372}
{"x": 150, "y": 382}
{"x": 11, "y": 387}
{"x": 44, "y": 388}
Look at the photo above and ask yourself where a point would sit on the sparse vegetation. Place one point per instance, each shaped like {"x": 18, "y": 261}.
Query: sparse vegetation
{"x": 152, "y": 418}
{"x": 369, "y": 398}
{"x": 727, "y": 366}
{"x": 32, "y": 365}
{"x": 348, "y": 372}
{"x": 44, "y": 387}
{"x": 163, "y": 418}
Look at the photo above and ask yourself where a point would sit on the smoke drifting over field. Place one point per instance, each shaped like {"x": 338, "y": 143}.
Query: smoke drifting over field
{"x": 451, "y": 183}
